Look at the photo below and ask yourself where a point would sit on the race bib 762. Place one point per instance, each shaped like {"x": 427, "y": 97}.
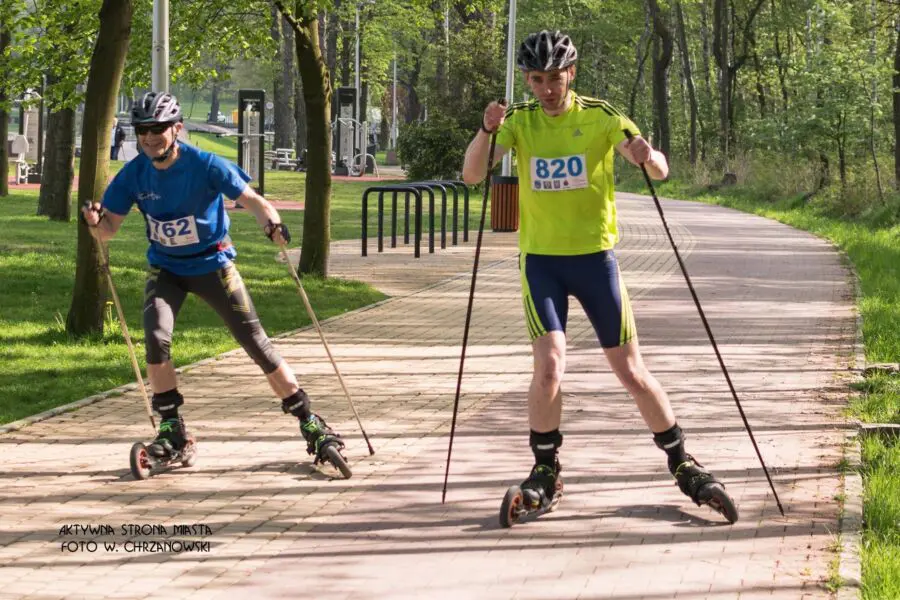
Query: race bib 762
{"x": 177, "y": 232}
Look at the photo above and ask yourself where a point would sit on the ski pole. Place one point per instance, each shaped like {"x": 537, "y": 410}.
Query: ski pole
{"x": 312, "y": 316}
{"x": 709, "y": 333}
{"x": 462, "y": 358}
{"x": 104, "y": 252}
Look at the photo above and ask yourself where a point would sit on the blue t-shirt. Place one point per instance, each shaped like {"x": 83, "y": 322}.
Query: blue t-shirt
{"x": 183, "y": 208}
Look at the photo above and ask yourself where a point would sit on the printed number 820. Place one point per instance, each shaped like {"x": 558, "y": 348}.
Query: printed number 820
{"x": 559, "y": 168}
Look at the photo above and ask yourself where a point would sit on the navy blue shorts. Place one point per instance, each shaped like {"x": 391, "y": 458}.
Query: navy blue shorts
{"x": 592, "y": 279}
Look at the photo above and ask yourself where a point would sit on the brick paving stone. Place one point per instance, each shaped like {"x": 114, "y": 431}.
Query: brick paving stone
{"x": 779, "y": 302}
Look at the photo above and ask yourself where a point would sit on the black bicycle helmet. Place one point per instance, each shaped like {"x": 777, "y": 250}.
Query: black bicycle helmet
{"x": 546, "y": 51}
{"x": 156, "y": 107}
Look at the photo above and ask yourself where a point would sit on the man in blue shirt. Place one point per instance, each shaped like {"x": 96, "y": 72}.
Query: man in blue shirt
{"x": 180, "y": 191}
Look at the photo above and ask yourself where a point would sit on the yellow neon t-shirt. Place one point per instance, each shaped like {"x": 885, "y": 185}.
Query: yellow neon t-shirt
{"x": 565, "y": 167}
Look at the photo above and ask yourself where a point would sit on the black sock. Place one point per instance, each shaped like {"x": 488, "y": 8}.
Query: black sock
{"x": 672, "y": 441}
{"x": 167, "y": 403}
{"x": 544, "y": 447}
{"x": 297, "y": 404}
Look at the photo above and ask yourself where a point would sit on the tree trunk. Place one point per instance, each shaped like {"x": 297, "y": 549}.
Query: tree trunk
{"x": 896, "y": 101}
{"x": 689, "y": 80}
{"x": 105, "y": 74}
{"x": 299, "y": 114}
{"x": 4, "y": 116}
{"x": 441, "y": 12}
{"x": 641, "y": 52}
{"x": 283, "y": 86}
{"x": 824, "y": 171}
{"x": 721, "y": 45}
{"x": 872, "y": 57}
{"x": 214, "y": 104}
{"x": 317, "y": 96}
{"x": 729, "y": 62}
{"x": 384, "y": 131}
{"x": 333, "y": 31}
{"x": 290, "y": 98}
{"x": 704, "y": 40}
{"x": 322, "y": 18}
{"x": 842, "y": 164}
{"x": 781, "y": 61}
{"x": 760, "y": 88}
{"x": 662, "y": 59}
{"x": 55, "y": 200}
{"x": 348, "y": 46}
{"x": 414, "y": 107}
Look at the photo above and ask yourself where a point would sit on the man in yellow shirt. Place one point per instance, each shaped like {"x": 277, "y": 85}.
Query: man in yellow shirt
{"x": 564, "y": 147}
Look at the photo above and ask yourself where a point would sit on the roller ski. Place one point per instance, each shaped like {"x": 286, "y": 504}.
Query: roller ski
{"x": 172, "y": 445}
{"x": 703, "y": 488}
{"x": 537, "y": 495}
{"x": 323, "y": 443}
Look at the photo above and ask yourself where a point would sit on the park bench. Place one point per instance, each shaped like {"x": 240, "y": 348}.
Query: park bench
{"x": 18, "y": 148}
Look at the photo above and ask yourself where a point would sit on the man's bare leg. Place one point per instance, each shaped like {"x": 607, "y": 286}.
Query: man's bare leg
{"x": 283, "y": 381}
{"x": 693, "y": 479}
{"x": 544, "y": 415}
{"x": 544, "y": 397}
{"x": 651, "y": 399}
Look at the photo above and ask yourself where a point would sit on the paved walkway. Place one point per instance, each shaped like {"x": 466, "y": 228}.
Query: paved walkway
{"x": 779, "y": 302}
{"x": 385, "y": 173}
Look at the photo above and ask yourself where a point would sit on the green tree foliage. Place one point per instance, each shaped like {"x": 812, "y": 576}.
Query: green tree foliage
{"x": 203, "y": 36}
{"x": 808, "y": 80}
{"x": 433, "y": 149}
{"x": 17, "y": 34}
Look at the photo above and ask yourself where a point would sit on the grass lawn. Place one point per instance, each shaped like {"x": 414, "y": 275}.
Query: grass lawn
{"x": 210, "y": 142}
{"x": 40, "y": 367}
{"x": 874, "y": 250}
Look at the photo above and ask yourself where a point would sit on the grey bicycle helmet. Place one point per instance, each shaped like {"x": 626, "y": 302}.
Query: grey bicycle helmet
{"x": 156, "y": 107}
{"x": 546, "y": 51}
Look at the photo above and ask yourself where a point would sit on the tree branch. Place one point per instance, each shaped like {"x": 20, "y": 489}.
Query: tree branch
{"x": 738, "y": 62}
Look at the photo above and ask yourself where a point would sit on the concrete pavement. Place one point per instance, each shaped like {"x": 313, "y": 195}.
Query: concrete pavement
{"x": 779, "y": 301}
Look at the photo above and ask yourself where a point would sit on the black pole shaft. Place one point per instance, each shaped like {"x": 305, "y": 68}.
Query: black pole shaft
{"x": 462, "y": 358}
{"x": 709, "y": 333}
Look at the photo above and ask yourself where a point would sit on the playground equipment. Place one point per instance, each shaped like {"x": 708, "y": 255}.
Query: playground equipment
{"x": 351, "y": 136}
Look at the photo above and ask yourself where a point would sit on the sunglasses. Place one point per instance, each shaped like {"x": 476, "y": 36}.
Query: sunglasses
{"x": 155, "y": 129}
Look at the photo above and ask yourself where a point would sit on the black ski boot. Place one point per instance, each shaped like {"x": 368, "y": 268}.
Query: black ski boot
{"x": 539, "y": 489}
{"x": 173, "y": 444}
{"x": 170, "y": 441}
{"x": 324, "y": 443}
{"x": 701, "y": 486}
{"x": 540, "y": 493}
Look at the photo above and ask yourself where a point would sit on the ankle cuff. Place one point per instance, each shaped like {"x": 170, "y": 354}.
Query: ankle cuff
{"x": 297, "y": 404}
{"x": 167, "y": 403}
{"x": 669, "y": 439}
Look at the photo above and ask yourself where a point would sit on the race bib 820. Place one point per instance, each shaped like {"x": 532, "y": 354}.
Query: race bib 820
{"x": 558, "y": 174}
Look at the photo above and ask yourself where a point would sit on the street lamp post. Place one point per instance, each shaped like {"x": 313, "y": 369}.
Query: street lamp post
{"x": 510, "y": 68}
{"x": 356, "y": 70}
{"x": 160, "y": 57}
{"x": 394, "y": 107}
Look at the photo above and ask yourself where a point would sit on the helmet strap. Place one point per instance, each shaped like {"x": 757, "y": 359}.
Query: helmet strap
{"x": 165, "y": 155}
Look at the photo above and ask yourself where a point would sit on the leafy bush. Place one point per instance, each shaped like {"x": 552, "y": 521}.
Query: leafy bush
{"x": 434, "y": 149}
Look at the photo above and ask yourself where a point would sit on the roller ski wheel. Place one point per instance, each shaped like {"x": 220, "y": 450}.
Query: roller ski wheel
{"x": 704, "y": 489}
{"x": 515, "y": 509}
{"x": 144, "y": 464}
{"x": 323, "y": 443}
{"x": 332, "y": 453}
{"x": 714, "y": 496}
{"x": 141, "y": 463}
{"x": 189, "y": 454}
